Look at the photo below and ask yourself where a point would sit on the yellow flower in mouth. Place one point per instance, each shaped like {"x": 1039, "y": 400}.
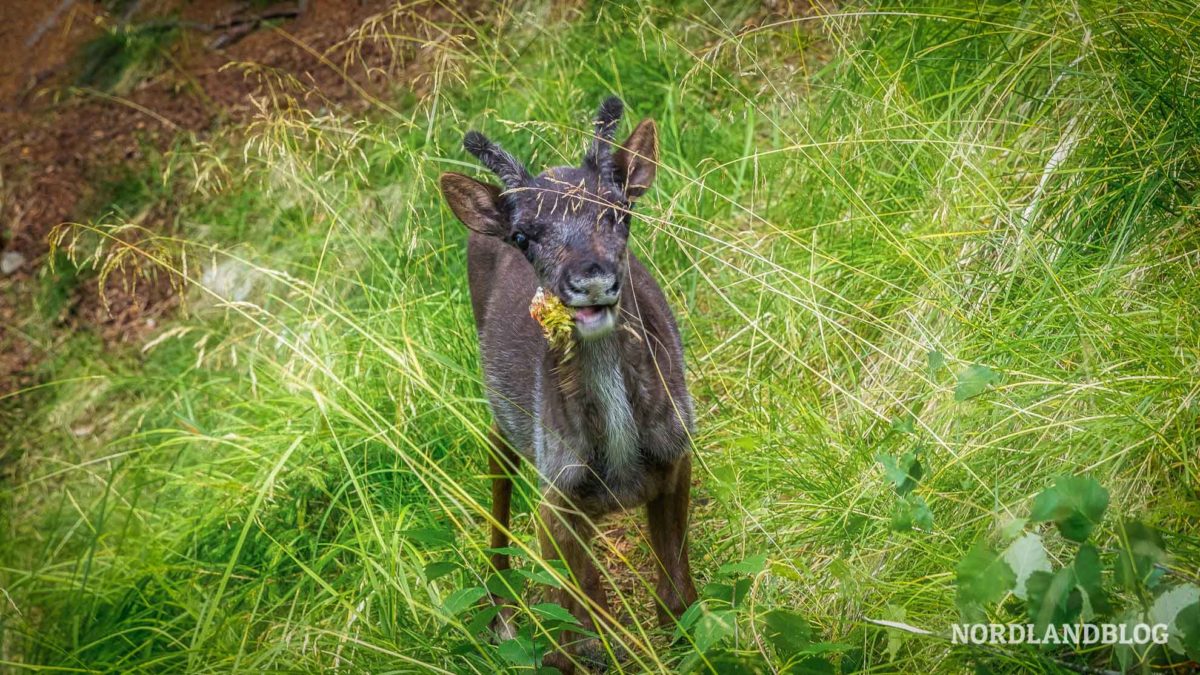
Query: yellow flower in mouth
{"x": 556, "y": 319}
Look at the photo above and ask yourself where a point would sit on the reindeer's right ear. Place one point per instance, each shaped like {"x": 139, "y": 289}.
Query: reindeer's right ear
{"x": 476, "y": 204}
{"x": 637, "y": 159}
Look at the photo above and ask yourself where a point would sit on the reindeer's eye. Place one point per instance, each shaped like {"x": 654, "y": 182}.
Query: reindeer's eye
{"x": 520, "y": 240}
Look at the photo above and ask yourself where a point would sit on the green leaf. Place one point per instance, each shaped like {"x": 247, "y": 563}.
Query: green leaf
{"x": 1168, "y": 606}
{"x": 543, "y": 576}
{"x": 712, "y": 627}
{"x": 1053, "y": 598}
{"x": 895, "y": 636}
{"x": 810, "y": 665}
{"x": 974, "y": 381}
{"x": 552, "y": 611}
{"x": 483, "y": 618}
{"x": 725, "y": 482}
{"x": 508, "y": 550}
{"x": 910, "y": 512}
{"x": 429, "y": 535}
{"x": 905, "y": 425}
{"x": 1011, "y": 528}
{"x": 730, "y": 662}
{"x": 689, "y": 618}
{"x": 1132, "y": 655}
{"x": 519, "y": 651}
{"x": 507, "y": 584}
{"x": 1075, "y": 504}
{"x": 458, "y": 601}
{"x": 1026, "y": 556}
{"x": 903, "y": 473}
{"x": 734, "y": 593}
{"x": 438, "y": 569}
{"x": 1088, "y": 570}
{"x": 982, "y": 578}
{"x": 752, "y": 565}
{"x": 1188, "y": 623}
{"x": 1141, "y": 549}
{"x": 787, "y": 631}
{"x": 936, "y": 361}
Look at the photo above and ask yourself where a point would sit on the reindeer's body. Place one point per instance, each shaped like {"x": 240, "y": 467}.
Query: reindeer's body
{"x": 604, "y": 427}
{"x": 609, "y": 426}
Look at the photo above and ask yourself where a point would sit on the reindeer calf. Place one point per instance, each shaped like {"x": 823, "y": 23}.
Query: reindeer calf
{"x": 607, "y": 423}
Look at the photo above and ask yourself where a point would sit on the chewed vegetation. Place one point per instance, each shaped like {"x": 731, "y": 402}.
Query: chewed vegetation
{"x": 936, "y": 270}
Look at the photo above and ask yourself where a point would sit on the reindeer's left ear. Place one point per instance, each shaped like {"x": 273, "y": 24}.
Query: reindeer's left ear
{"x": 637, "y": 159}
{"x": 476, "y": 204}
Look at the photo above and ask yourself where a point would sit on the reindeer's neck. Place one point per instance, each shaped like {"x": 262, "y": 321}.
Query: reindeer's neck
{"x": 593, "y": 386}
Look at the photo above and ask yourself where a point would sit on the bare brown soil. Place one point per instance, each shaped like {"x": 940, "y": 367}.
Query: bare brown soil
{"x": 58, "y": 142}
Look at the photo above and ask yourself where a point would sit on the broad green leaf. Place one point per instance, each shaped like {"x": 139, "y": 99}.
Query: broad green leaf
{"x": 983, "y": 578}
{"x": 1011, "y": 528}
{"x": 809, "y": 665}
{"x": 1088, "y": 570}
{"x": 936, "y": 361}
{"x": 1053, "y": 598}
{"x": 689, "y": 618}
{"x": 787, "y": 631}
{"x": 752, "y": 565}
{"x": 1026, "y": 556}
{"x": 712, "y": 627}
{"x": 1188, "y": 623}
{"x": 519, "y": 651}
{"x": 1132, "y": 655}
{"x": 973, "y": 381}
{"x": 1076, "y": 504}
{"x": 438, "y": 569}
{"x": 429, "y": 535}
{"x": 1140, "y": 549}
{"x": 734, "y": 593}
{"x": 506, "y": 584}
{"x": 783, "y": 569}
{"x": 1167, "y": 607}
{"x": 730, "y": 662}
{"x": 910, "y": 512}
{"x": 825, "y": 648}
{"x": 543, "y": 576}
{"x": 725, "y": 482}
{"x": 458, "y": 601}
{"x": 902, "y": 473}
{"x": 552, "y": 611}
{"x": 483, "y": 618}
{"x": 905, "y": 425}
{"x": 508, "y": 550}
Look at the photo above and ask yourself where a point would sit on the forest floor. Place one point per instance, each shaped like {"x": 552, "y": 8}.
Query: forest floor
{"x": 65, "y": 146}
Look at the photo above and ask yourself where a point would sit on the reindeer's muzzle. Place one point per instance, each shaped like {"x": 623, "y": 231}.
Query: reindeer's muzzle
{"x": 594, "y": 296}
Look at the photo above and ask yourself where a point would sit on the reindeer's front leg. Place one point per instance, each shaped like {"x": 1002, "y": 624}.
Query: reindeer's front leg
{"x": 502, "y": 463}
{"x": 567, "y": 534}
{"x": 668, "y": 516}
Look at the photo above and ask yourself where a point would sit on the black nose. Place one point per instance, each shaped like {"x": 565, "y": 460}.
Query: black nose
{"x": 593, "y": 284}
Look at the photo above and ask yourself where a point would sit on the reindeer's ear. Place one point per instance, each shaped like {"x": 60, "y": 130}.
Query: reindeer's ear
{"x": 637, "y": 159}
{"x": 476, "y": 204}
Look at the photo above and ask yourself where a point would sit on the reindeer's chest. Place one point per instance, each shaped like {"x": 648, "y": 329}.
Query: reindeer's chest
{"x": 612, "y": 432}
{"x": 598, "y": 445}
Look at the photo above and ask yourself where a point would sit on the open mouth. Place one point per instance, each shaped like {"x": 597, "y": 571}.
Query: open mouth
{"x": 595, "y": 320}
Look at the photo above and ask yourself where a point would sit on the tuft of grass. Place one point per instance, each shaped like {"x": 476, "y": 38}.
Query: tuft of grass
{"x": 966, "y": 235}
{"x": 123, "y": 55}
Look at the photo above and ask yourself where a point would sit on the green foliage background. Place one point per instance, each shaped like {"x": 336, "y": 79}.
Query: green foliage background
{"x": 964, "y": 235}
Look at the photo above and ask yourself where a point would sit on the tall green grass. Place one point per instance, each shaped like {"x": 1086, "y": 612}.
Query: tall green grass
{"x": 291, "y": 474}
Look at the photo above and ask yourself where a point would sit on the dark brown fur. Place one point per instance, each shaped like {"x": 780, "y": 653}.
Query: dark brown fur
{"x": 609, "y": 428}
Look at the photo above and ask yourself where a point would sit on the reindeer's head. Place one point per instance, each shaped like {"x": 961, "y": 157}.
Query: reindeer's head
{"x": 570, "y": 223}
